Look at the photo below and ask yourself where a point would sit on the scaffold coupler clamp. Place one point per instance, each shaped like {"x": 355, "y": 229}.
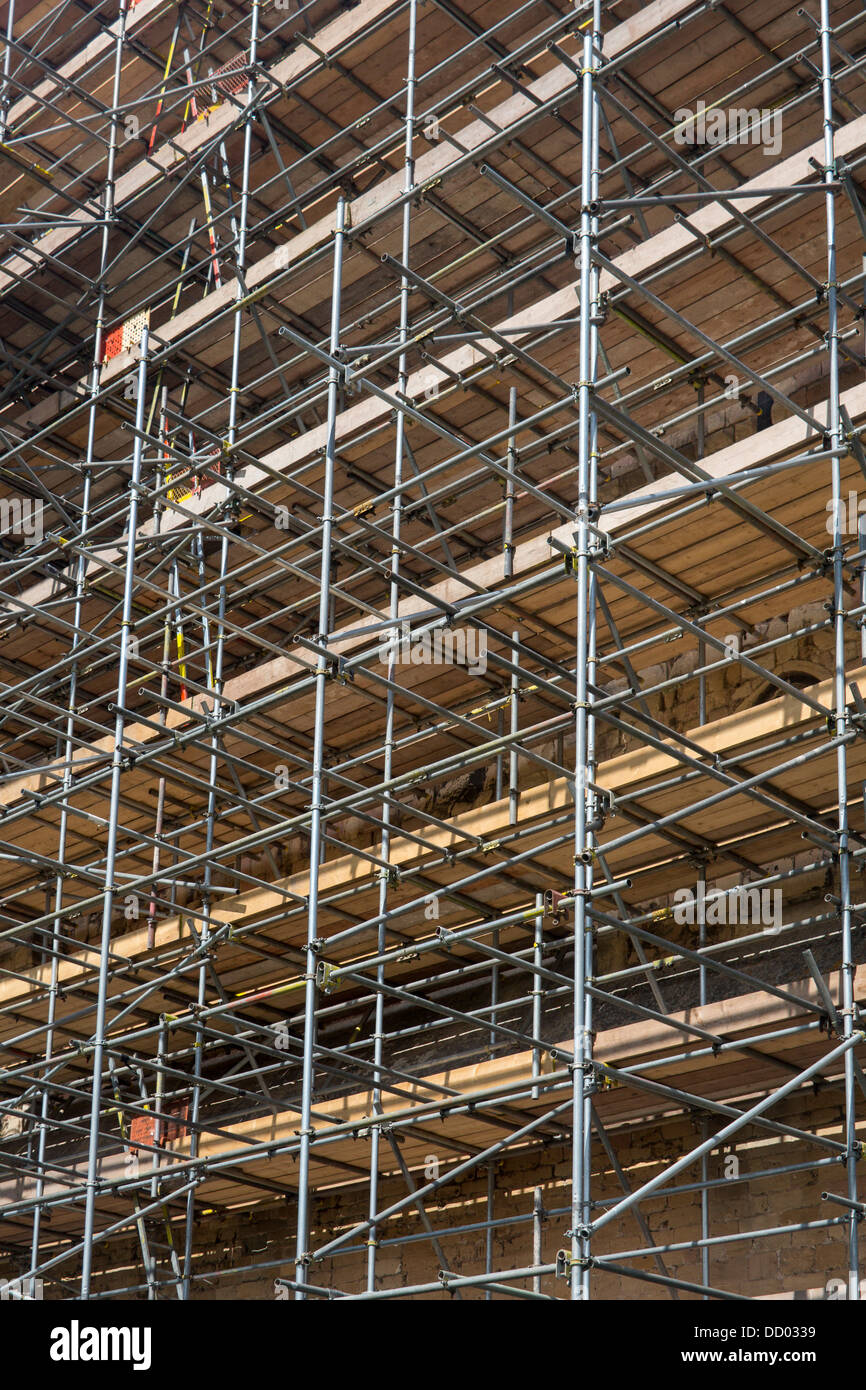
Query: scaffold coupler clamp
{"x": 325, "y": 977}
{"x": 604, "y": 802}
{"x": 600, "y": 309}
{"x": 337, "y": 670}
{"x": 604, "y": 1082}
{"x": 587, "y": 1067}
{"x": 388, "y": 874}
{"x": 565, "y": 1261}
{"x": 603, "y": 548}
{"x": 552, "y": 905}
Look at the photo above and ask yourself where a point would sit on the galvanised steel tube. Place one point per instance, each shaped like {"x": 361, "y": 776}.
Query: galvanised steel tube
{"x": 443, "y": 1010}
{"x": 5, "y": 95}
{"x": 467, "y": 1281}
{"x": 81, "y": 570}
{"x": 489, "y": 1224}
{"x": 583, "y": 836}
{"x": 594, "y": 808}
{"x": 206, "y": 923}
{"x": 538, "y": 981}
{"x": 216, "y": 671}
{"x": 114, "y": 806}
{"x": 644, "y": 1276}
{"x": 317, "y": 786}
{"x": 722, "y": 1240}
{"x": 841, "y": 721}
{"x": 393, "y": 646}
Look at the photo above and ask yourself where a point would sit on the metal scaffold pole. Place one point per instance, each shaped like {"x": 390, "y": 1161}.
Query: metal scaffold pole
{"x": 111, "y": 887}
{"x": 840, "y": 694}
{"x": 323, "y": 673}
{"x": 394, "y": 646}
{"x": 584, "y": 831}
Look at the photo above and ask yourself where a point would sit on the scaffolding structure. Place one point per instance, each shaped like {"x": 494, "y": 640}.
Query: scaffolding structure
{"x": 422, "y": 423}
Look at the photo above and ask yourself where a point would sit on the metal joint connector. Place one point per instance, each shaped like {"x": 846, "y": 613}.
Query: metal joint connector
{"x": 337, "y": 670}
{"x": 389, "y": 875}
{"x": 604, "y": 547}
{"x": 553, "y": 905}
{"x": 325, "y": 977}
